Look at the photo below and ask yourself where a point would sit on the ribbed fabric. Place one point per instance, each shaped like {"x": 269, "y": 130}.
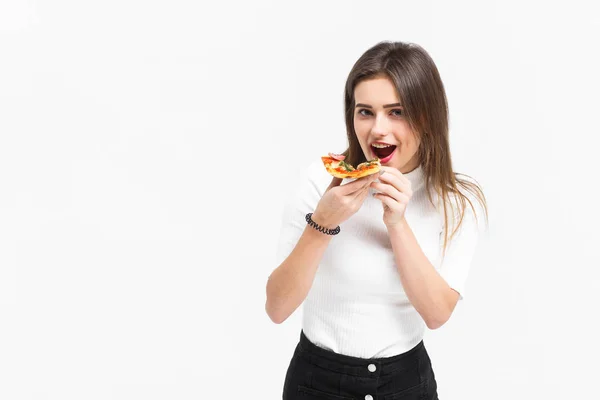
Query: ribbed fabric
{"x": 357, "y": 305}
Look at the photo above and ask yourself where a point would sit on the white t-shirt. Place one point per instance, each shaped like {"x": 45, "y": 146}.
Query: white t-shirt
{"x": 357, "y": 305}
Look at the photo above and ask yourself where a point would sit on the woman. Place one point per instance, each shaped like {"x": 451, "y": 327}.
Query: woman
{"x": 399, "y": 258}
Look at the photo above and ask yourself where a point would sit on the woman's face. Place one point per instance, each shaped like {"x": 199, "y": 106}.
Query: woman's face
{"x": 379, "y": 121}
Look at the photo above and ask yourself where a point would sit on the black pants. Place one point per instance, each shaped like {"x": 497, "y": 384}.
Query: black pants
{"x": 317, "y": 373}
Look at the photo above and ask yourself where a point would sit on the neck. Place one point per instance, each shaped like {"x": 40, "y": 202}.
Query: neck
{"x": 411, "y": 165}
{"x": 415, "y": 176}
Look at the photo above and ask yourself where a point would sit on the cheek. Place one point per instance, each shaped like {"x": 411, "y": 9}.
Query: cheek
{"x": 358, "y": 125}
{"x": 360, "y": 129}
{"x": 406, "y": 136}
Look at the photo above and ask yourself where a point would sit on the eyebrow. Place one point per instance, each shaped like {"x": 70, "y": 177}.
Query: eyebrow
{"x": 386, "y": 106}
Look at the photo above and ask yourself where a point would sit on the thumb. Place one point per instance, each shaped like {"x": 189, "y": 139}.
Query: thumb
{"x": 334, "y": 182}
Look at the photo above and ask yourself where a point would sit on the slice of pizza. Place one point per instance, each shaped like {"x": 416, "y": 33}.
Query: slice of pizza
{"x": 336, "y": 166}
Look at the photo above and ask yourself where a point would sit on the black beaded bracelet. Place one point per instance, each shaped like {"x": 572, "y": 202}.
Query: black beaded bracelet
{"x": 320, "y": 228}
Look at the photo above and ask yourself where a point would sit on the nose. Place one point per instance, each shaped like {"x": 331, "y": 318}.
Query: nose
{"x": 380, "y": 125}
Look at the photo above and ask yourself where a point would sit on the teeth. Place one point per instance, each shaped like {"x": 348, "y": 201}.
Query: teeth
{"x": 381, "y": 146}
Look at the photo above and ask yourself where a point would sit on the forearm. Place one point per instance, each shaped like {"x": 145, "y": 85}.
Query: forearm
{"x": 289, "y": 284}
{"x": 428, "y": 292}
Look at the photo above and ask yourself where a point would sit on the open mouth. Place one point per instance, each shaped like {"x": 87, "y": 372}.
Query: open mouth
{"x": 383, "y": 152}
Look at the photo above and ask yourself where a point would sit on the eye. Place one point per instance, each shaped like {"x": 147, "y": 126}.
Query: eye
{"x": 397, "y": 112}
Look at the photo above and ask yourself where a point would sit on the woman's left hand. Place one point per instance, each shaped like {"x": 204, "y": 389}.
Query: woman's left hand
{"x": 395, "y": 194}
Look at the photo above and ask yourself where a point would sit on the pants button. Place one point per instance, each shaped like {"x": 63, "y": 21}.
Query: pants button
{"x": 372, "y": 367}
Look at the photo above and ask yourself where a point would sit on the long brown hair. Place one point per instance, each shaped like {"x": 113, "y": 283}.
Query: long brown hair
{"x": 421, "y": 91}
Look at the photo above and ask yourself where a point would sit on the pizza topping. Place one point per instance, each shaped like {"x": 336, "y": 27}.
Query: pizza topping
{"x": 346, "y": 166}
{"x": 368, "y": 164}
{"x": 338, "y": 157}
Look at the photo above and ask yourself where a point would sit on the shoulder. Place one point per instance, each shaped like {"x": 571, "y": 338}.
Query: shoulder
{"x": 315, "y": 171}
{"x": 310, "y": 181}
{"x": 316, "y": 174}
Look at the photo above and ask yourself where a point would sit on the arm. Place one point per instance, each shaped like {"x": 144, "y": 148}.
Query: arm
{"x": 433, "y": 294}
{"x": 428, "y": 292}
{"x": 301, "y": 247}
{"x": 289, "y": 284}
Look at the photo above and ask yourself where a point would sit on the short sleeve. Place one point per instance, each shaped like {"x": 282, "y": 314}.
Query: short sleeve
{"x": 460, "y": 251}
{"x": 301, "y": 199}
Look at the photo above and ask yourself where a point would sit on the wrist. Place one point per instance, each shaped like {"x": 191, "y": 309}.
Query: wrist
{"x": 322, "y": 222}
{"x": 323, "y": 229}
{"x": 400, "y": 225}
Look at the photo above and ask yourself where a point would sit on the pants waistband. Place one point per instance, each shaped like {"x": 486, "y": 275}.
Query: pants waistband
{"x": 367, "y": 367}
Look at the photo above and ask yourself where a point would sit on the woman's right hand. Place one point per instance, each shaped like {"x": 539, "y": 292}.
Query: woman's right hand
{"x": 340, "y": 202}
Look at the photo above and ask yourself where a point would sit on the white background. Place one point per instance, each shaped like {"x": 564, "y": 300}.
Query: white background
{"x": 139, "y": 217}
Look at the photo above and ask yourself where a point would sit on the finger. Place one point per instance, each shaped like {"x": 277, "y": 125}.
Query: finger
{"x": 403, "y": 185}
{"x": 391, "y": 192}
{"x": 360, "y": 198}
{"x": 357, "y": 185}
{"x": 388, "y": 201}
{"x": 361, "y": 195}
{"x": 367, "y": 181}
{"x": 395, "y": 172}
